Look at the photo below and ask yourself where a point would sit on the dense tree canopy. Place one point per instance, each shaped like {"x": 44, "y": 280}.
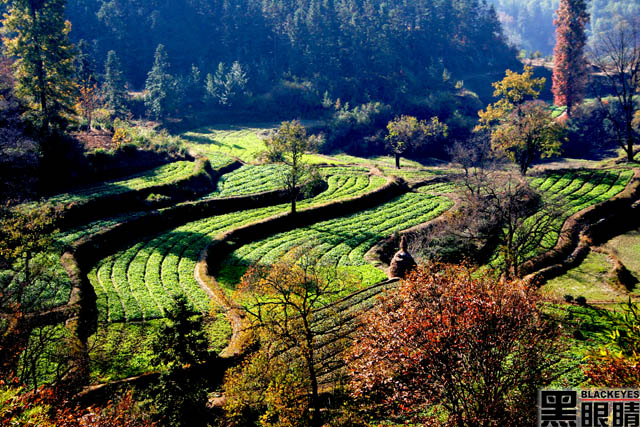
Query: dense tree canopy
{"x": 365, "y": 49}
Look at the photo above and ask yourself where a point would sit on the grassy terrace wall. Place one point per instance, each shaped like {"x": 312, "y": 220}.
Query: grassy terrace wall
{"x": 592, "y": 225}
{"x": 90, "y": 249}
{"x": 203, "y": 180}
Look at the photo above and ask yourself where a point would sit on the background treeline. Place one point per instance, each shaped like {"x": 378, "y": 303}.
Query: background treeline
{"x": 529, "y": 23}
{"x": 295, "y": 51}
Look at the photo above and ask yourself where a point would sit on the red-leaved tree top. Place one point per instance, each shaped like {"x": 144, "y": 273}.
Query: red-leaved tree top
{"x": 570, "y": 65}
{"x": 466, "y": 344}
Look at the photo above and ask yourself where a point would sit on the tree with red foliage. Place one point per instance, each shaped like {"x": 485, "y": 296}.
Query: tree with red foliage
{"x": 456, "y": 345}
{"x": 570, "y": 65}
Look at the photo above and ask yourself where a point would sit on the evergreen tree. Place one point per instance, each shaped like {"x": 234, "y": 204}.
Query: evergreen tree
{"x": 113, "y": 88}
{"x": 37, "y": 34}
{"x": 85, "y": 71}
{"x": 226, "y": 87}
{"x": 193, "y": 88}
{"x": 570, "y": 65}
{"x": 180, "y": 348}
{"x": 159, "y": 85}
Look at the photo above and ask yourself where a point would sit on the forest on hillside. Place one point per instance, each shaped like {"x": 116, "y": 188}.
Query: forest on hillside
{"x": 356, "y": 50}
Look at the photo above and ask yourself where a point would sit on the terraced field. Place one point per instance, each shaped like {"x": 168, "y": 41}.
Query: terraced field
{"x": 249, "y": 179}
{"x": 341, "y": 242}
{"x": 577, "y": 190}
{"x": 141, "y": 281}
{"x": 574, "y": 190}
{"x": 439, "y": 188}
{"x": 161, "y": 175}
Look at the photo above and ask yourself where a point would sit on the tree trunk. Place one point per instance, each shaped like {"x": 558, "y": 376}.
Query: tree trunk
{"x": 315, "y": 396}
{"x": 629, "y": 149}
{"x": 397, "y": 160}
{"x": 40, "y": 75}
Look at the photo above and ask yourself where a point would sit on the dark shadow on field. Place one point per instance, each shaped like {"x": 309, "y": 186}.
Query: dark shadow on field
{"x": 203, "y": 140}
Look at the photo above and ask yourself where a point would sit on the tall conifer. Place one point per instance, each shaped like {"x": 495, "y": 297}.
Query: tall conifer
{"x": 113, "y": 89}
{"x": 159, "y": 85}
{"x": 570, "y": 65}
{"x": 37, "y": 34}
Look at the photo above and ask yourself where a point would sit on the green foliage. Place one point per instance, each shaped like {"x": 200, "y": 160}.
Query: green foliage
{"x": 288, "y": 146}
{"x": 522, "y": 129}
{"x": 161, "y": 175}
{"x": 113, "y": 88}
{"x": 159, "y": 86}
{"x": 406, "y": 133}
{"x": 226, "y": 87}
{"x": 250, "y": 179}
{"x": 25, "y": 232}
{"x": 530, "y": 23}
{"x": 37, "y": 34}
{"x": 181, "y": 345}
{"x": 293, "y": 52}
{"x": 575, "y": 190}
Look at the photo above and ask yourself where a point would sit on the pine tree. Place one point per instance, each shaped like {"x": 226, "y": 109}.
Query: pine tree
{"x": 158, "y": 86}
{"x": 37, "y": 34}
{"x": 113, "y": 88}
{"x": 180, "y": 349}
{"x": 570, "y": 65}
{"x": 85, "y": 70}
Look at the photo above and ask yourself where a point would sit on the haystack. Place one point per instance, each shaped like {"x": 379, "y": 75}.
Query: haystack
{"x": 402, "y": 261}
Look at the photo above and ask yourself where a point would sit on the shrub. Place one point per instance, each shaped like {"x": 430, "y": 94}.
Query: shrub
{"x": 103, "y": 119}
{"x": 618, "y": 363}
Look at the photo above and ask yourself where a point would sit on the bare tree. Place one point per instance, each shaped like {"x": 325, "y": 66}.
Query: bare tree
{"x": 616, "y": 56}
{"x": 501, "y": 220}
{"x": 282, "y": 300}
{"x": 476, "y": 159}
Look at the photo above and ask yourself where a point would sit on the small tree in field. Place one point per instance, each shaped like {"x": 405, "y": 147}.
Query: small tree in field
{"x": 288, "y": 145}
{"x": 520, "y": 127}
{"x": 407, "y": 133}
{"x": 570, "y": 65}
{"x": 282, "y": 301}
{"x": 462, "y": 346}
